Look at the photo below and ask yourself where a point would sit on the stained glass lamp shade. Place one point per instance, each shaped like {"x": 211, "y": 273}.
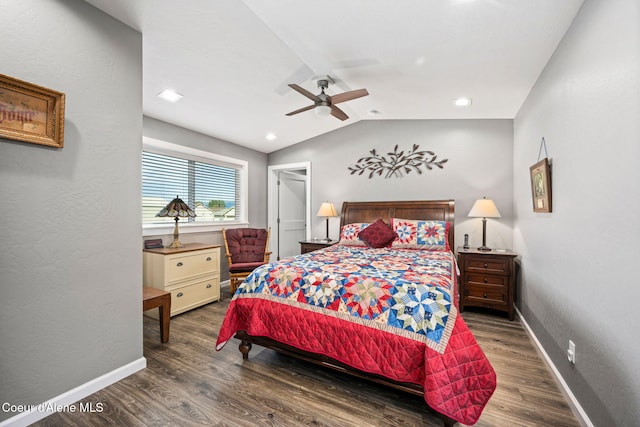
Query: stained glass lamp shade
{"x": 176, "y": 209}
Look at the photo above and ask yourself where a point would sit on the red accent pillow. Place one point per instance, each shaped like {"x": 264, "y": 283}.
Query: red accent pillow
{"x": 378, "y": 235}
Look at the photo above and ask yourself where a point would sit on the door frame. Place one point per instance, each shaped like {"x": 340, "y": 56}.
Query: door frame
{"x": 272, "y": 197}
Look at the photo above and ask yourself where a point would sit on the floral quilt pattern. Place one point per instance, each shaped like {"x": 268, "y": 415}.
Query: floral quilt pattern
{"x": 406, "y": 292}
{"x": 416, "y": 234}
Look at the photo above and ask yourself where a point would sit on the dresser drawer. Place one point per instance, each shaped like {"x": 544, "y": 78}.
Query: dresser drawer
{"x": 188, "y": 264}
{"x": 186, "y": 297}
{"x": 486, "y": 294}
{"x": 492, "y": 265}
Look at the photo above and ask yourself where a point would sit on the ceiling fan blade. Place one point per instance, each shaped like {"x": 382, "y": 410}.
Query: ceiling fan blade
{"x": 338, "y": 113}
{"x": 301, "y": 110}
{"x": 348, "y": 96}
{"x": 304, "y": 92}
{"x": 300, "y": 75}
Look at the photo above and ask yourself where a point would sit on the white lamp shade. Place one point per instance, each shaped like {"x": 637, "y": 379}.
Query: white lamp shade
{"x": 484, "y": 208}
{"x": 327, "y": 209}
{"x": 322, "y": 110}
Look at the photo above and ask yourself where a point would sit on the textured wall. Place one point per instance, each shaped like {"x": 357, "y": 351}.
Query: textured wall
{"x": 479, "y": 154}
{"x": 70, "y": 273}
{"x": 577, "y": 261}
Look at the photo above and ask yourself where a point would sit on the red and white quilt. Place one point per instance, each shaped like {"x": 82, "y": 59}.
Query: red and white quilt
{"x": 391, "y": 312}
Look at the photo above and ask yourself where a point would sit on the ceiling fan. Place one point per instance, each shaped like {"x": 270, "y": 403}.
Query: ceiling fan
{"x": 324, "y": 104}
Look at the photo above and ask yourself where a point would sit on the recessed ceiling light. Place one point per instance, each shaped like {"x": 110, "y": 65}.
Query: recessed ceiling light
{"x": 170, "y": 95}
{"x": 462, "y": 102}
{"x": 270, "y": 136}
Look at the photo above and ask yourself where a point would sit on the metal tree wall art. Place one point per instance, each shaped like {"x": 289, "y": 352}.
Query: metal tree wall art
{"x": 396, "y": 163}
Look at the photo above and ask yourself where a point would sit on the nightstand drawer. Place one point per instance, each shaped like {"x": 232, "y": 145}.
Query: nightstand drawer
{"x": 311, "y": 246}
{"x": 188, "y": 264}
{"x": 486, "y": 279}
{"x": 487, "y": 294}
{"x": 492, "y": 265}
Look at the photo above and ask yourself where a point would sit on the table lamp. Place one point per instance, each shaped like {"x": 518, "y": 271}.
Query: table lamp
{"x": 484, "y": 208}
{"x": 327, "y": 210}
{"x": 176, "y": 209}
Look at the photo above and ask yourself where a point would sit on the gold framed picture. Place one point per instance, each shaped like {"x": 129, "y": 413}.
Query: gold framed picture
{"x": 31, "y": 113}
{"x": 541, "y": 186}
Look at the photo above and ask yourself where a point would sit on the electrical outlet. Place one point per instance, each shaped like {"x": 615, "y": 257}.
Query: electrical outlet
{"x": 571, "y": 353}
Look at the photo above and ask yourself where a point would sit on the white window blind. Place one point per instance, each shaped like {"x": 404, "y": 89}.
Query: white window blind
{"x": 212, "y": 189}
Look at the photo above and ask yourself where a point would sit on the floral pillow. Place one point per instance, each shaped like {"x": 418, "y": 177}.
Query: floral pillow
{"x": 349, "y": 234}
{"x": 419, "y": 234}
{"x": 378, "y": 235}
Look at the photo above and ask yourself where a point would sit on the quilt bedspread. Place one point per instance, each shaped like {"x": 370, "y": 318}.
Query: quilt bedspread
{"x": 390, "y": 312}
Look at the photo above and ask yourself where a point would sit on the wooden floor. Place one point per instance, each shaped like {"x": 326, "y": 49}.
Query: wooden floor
{"x": 188, "y": 383}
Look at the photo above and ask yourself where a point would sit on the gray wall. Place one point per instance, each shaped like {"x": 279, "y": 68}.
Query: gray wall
{"x": 479, "y": 154}
{"x": 70, "y": 273}
{"x": 70, "y": 290}
{"x": 257, "y": 184}
{"x": 577, "y": 261}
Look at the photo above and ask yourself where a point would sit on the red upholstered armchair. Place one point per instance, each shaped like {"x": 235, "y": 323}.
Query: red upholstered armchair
{"x": 247, "y": 249}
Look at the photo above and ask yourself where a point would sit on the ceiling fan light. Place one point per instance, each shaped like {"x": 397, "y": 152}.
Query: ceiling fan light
{"x": 322, "y": 110}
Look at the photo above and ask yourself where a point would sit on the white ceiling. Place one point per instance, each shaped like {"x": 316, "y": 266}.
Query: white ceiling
{"x": 232, "y": 60}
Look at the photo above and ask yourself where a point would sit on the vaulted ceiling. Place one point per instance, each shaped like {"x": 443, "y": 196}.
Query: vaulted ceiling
{"x": 232, "y": 60}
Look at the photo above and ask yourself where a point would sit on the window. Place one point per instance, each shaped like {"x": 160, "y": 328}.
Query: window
{"x": 213, "y": 186}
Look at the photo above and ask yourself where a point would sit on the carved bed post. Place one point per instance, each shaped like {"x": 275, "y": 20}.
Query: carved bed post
{"x": 245, "y": 348}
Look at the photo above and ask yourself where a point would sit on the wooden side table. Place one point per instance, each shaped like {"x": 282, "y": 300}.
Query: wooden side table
{"x": 487, "y": 279}
{"x": 314, "y": 245}
{"x": 152, "y": 298}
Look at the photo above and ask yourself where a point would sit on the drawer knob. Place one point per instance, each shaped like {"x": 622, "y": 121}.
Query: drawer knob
{"x": 179, "y": 294}
{"x": 485, "y": 265}
{"x": 208, "y": 285}
{"x": 179, "y": 264}
{"x": 208, "y": 258}
{"x": 485, "y": 280}
{"x": 484, "y": 295}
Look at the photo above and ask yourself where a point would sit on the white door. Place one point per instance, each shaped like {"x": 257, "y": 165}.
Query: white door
{"x": 291, "y": 219}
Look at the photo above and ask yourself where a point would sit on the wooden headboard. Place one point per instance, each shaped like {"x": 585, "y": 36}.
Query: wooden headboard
{"x": 437, "y": 210}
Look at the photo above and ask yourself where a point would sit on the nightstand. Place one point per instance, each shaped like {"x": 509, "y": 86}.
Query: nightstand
{"x": 314, "y": 245}
{"x": 487, "y": 279}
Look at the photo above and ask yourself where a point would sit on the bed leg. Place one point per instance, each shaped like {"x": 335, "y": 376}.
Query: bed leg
{"x": 245, "y": 348}
{"x": 448, "y": 422}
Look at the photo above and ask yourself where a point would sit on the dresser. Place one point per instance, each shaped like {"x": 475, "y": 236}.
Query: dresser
{"x": 314, "y": 245}
{"x": 487, "y": 279}
{"x": 191, "y": 274}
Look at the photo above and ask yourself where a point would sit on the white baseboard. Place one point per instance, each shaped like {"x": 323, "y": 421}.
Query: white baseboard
{"x": 582, "y": 416}
{"x": 66, "y": 400}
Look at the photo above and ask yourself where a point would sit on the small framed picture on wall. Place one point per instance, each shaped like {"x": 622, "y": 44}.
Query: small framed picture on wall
{"x": 31, "y": 113}
{"x": 541, "y": 186}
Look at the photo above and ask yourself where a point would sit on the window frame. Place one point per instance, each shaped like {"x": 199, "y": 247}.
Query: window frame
{"x": 170, "y": 149}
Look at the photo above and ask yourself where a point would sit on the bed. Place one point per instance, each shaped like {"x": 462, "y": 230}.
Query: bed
{"x": 386, "y": 313}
